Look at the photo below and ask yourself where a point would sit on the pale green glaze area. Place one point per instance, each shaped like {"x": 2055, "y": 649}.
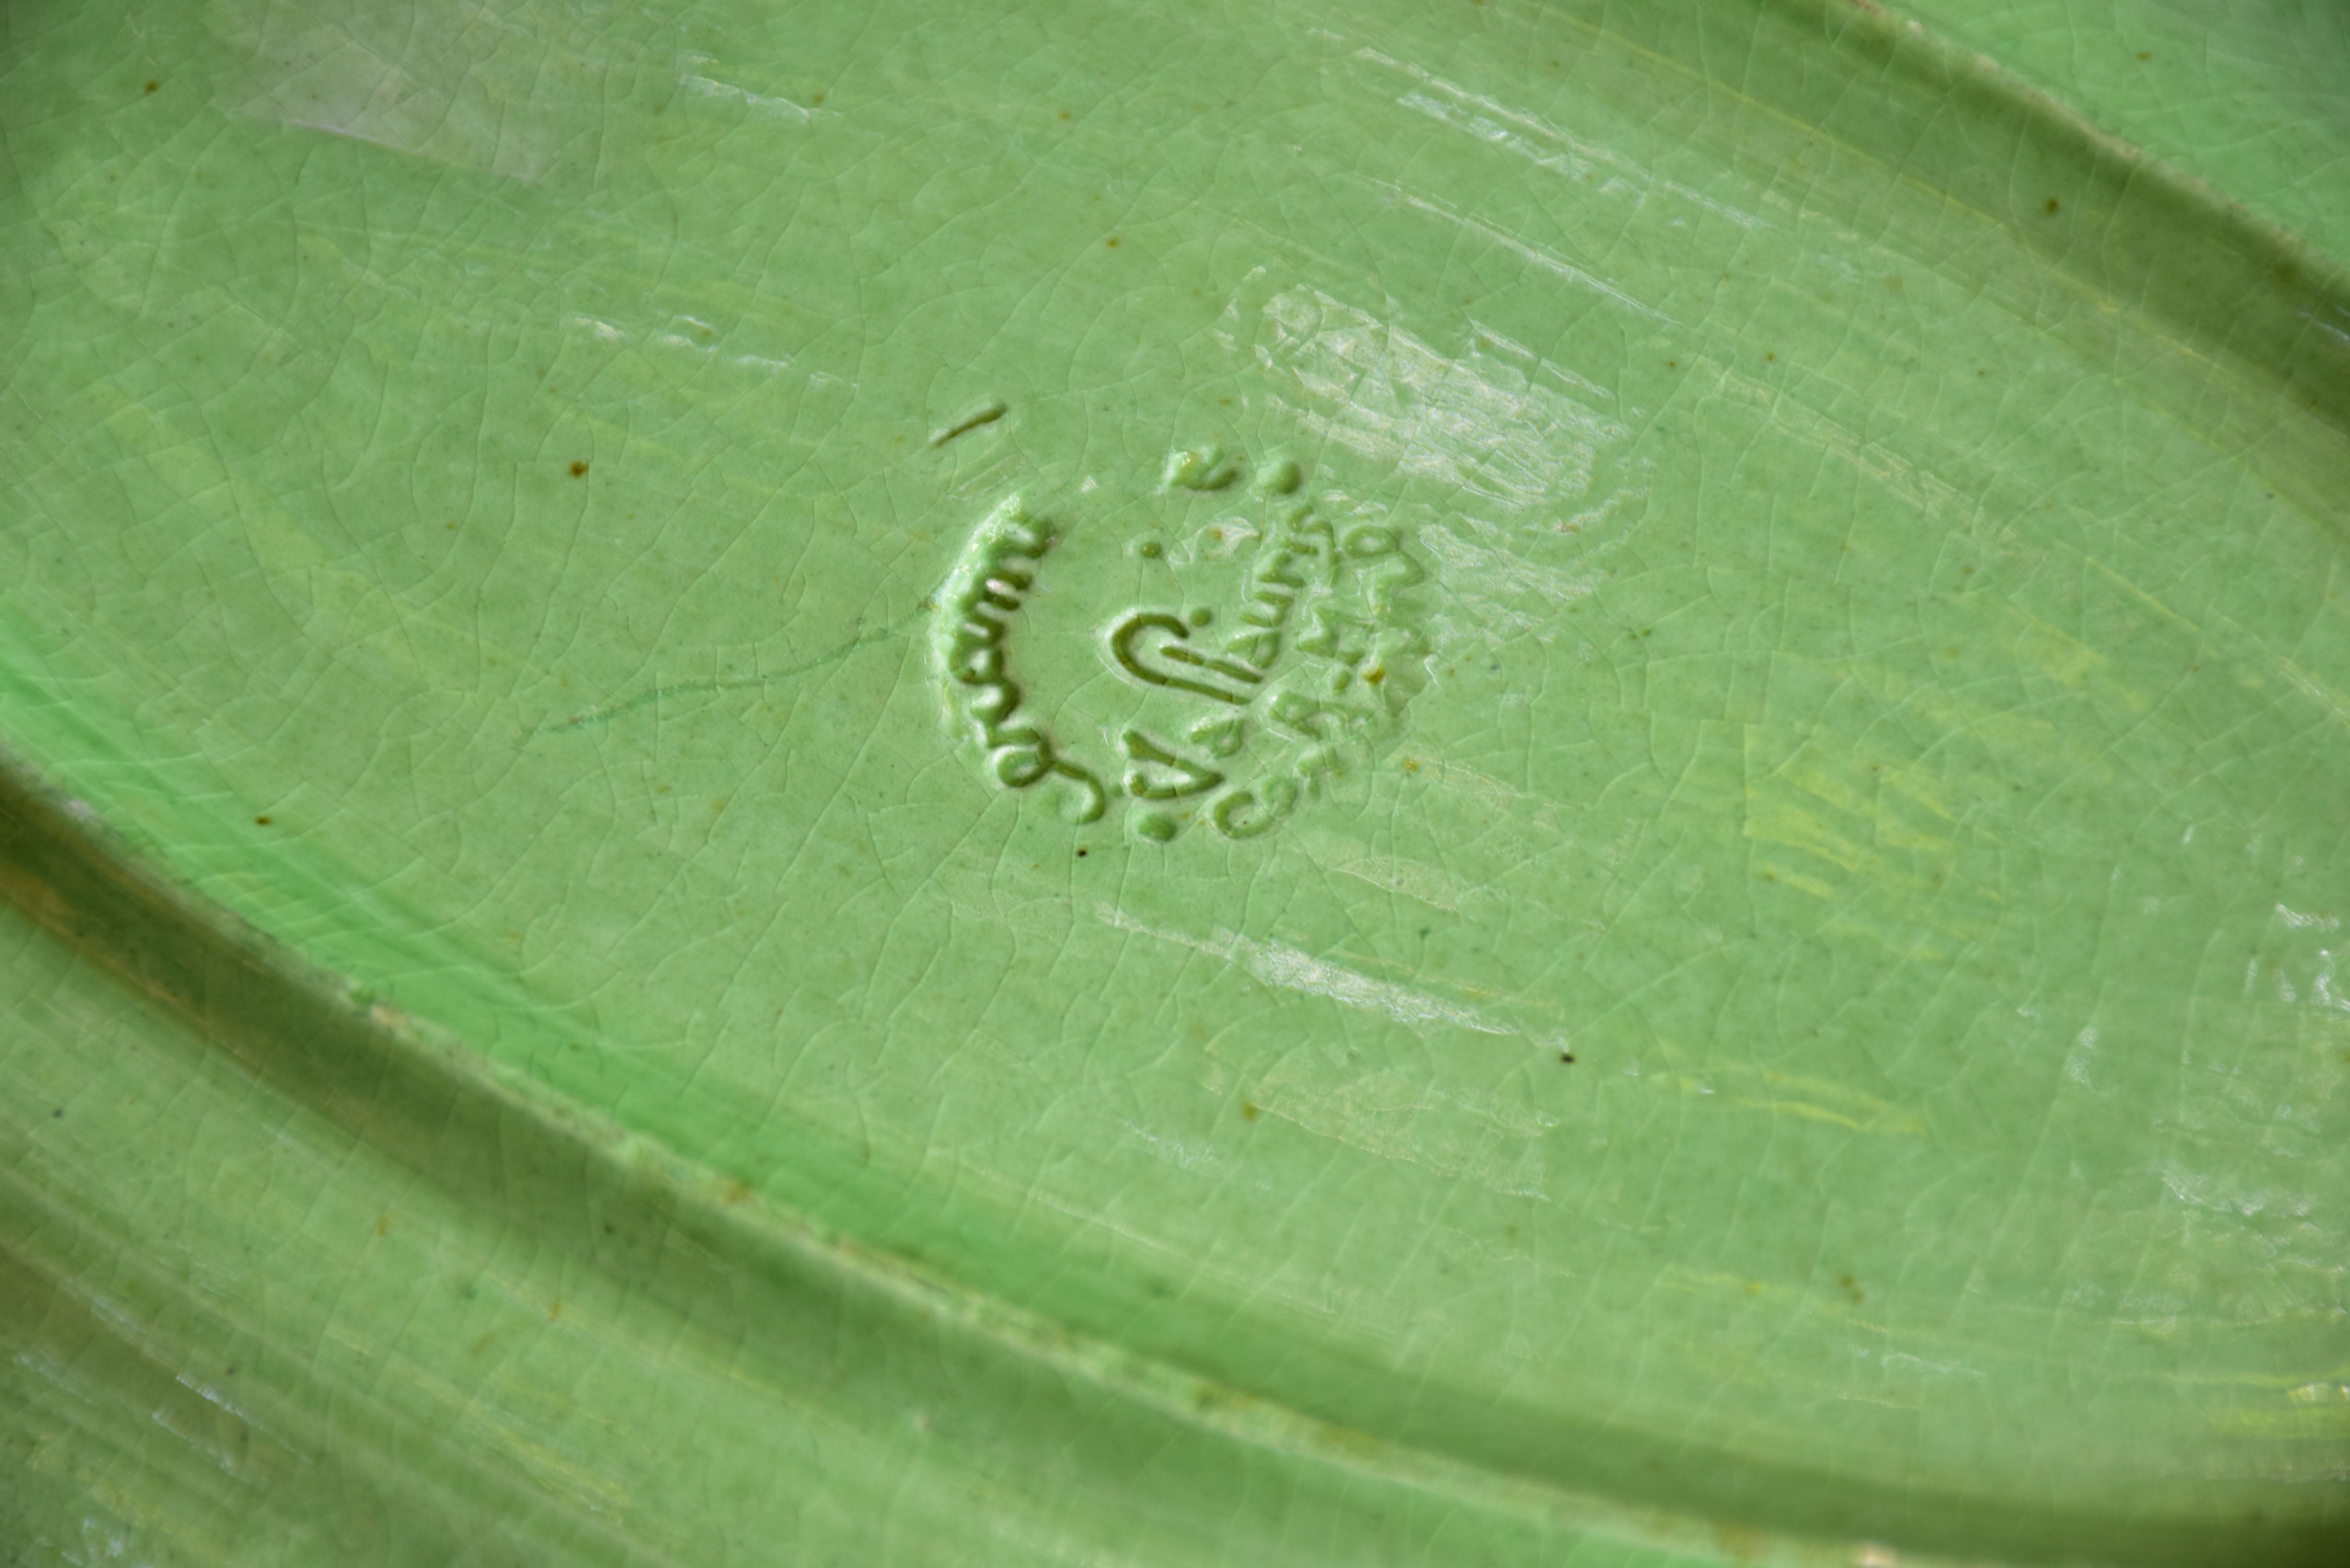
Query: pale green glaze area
{"x": 1879, "y": 695}
{"x": 353, "y": 1314}
{"x": 2244, "y": 98}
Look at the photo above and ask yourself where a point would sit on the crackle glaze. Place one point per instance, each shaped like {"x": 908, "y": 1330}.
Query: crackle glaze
{"x": 1425, "y": 784}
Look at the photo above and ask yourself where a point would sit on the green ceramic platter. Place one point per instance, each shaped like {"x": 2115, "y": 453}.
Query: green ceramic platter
{"x": 1350, "y": 784}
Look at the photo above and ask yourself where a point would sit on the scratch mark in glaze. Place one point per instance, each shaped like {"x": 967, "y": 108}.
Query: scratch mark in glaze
{"x": 986, "y": 414}
{"x": 1277, "y": 963}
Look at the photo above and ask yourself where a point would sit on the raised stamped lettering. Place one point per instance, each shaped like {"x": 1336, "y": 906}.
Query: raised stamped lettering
{"x": 996, "y": 569}
{"x": 1286, "y": 663}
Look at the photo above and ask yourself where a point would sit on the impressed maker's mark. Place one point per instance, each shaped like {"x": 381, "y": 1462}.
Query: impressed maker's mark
{"x": 1270, "y": 652}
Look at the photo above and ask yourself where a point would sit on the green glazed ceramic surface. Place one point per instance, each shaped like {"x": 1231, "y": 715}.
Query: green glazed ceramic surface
{"x": 1473, "y": 782}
